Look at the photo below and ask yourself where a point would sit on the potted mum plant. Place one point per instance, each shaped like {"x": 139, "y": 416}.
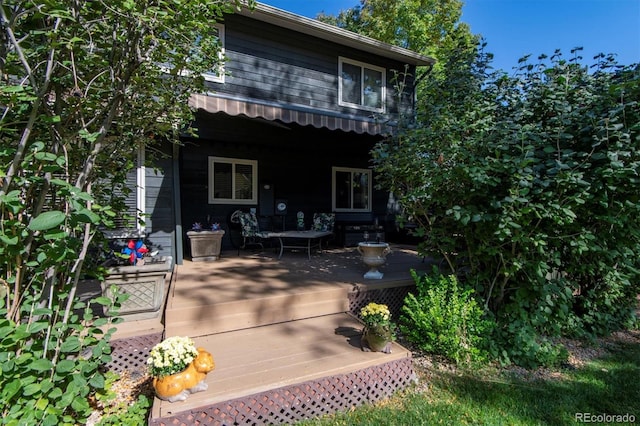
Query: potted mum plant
{"x": 378, "y": 329}
{"x": 205, "y": 242}
{"x": 178, "y": 368}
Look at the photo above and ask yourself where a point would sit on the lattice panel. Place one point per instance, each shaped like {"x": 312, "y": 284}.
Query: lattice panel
{"x": 139, "y": 294}
{"x": 131, "y": 354}
{"x": 392, "y": 297}
{"x": 304, "y": 401}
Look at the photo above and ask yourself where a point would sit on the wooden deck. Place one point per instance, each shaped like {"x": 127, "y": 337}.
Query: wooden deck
{"x": 270, "y": 322}
{"x": 257, "y": 288}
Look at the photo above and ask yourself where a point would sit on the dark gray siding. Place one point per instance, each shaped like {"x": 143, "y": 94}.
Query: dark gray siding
{"x": 159, "y": 200}
{"x": 271, "y": 63}
{"x": 291, "y": 70}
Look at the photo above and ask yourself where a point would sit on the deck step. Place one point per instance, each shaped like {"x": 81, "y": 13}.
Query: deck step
{"x": 210, "y": 317}
{"x": 260, "y": 359}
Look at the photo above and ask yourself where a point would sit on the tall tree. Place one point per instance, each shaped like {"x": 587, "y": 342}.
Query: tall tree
{"x": 429, "y": 27}
{"x": 82, "y": 85}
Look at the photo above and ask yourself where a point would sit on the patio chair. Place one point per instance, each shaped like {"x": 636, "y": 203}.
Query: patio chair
{"x": 251, "y": 234}
{"x": 300, "y": 221}
{"x": 324, "y": 222}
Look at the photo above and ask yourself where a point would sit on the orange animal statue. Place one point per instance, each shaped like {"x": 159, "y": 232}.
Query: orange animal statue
{"x": 177, "y": 387}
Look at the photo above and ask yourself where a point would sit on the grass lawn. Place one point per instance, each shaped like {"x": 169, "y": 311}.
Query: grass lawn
{"x": 600, "y": 379}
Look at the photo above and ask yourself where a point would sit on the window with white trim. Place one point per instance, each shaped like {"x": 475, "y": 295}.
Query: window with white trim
{"x": 361, "y": 85}
{"x": 233, "y": 181}
{"x": 352, "y": 189}
{"x": 132, "y": 218}
{"x": 217, "y": 75}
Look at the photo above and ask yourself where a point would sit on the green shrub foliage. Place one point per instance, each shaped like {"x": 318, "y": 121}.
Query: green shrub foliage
{"x": 532, "y": 180}
{"x": 443, "y": 318}
{"x": 116, "y": 413}
{"x": 83, "y": 85}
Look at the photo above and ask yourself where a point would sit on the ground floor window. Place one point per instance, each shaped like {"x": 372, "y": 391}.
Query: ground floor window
{"x": 131, "y": 194}
{"x": 351, "y": 189}
{"x": 233, "y": 181}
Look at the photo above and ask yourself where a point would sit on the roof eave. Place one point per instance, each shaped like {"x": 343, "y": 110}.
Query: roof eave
{"x": 334, "y": 34}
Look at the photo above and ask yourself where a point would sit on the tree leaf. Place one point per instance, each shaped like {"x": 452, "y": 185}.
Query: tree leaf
{"x": 72, "y": 344}
{"x": 47, "y": 220}
{"x": 9, "y": 390}
{"x": 65, "y": 366}
{"x": 41, "y": 365}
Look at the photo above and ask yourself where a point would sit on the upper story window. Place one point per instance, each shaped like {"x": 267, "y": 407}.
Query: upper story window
{"x": 217, "y": 35}
{"x": 351, "y": 190}
{"x": 217, "y": 75}
{"x": 361, "y": 85}
{"x": 233, "y": 181}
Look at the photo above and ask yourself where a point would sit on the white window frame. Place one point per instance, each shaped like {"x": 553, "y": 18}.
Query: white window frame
{"x": 233, "y": 162}
{"x": 208, "y": 76}
{"x": 219, "y": 76}
{"x": 141, "y": 190}
{"x": 369, "y": 189}
{"x": 135, "y": 199}
{"x": 362, "y": 65}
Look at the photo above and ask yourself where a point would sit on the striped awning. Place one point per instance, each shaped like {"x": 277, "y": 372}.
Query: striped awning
{"x": 214, "y": 104}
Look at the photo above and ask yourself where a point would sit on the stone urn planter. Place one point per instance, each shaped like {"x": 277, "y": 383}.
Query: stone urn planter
{"x": 143, "y": 283}
{"x": 205, "y": 245}
{"x": 377, "y": 338}
{"x": 378, "y": 328}
{"x": 374, "y": 256}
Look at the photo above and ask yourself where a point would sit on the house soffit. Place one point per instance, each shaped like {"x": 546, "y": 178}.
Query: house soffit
{"x": 334, "y": 34}
{"x": 301, "y": 116}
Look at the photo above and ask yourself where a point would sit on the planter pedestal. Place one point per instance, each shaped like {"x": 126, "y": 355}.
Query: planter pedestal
{"x": 373, "y": 255}
{"x": 144, "y": 284}
{"x": 205, "y": 245}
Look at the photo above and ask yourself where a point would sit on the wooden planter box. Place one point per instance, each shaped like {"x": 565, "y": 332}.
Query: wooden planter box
{"x": 205, "y": 245}
{"x": 144, "y": 284}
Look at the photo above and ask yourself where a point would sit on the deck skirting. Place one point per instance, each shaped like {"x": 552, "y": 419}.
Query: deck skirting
{"x": 393, "y": 297}
{"x": 310, "y": 399}
{"x": 131, "y": 354}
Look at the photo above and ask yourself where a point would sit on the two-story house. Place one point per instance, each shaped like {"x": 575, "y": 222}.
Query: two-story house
{"x": 289, "y": 122}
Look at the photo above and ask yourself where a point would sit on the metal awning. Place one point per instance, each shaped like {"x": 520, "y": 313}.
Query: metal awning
{"x": 272, "y": 112}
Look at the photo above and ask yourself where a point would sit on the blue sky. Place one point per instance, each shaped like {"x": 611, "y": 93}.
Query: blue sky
{"x": 514, "y": 28}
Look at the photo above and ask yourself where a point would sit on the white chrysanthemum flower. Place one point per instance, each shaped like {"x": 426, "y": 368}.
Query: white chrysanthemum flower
{"x": 171, "y": 356}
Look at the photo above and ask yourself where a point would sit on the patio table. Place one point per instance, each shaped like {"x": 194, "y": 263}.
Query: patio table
{"x": 299, "y": 240}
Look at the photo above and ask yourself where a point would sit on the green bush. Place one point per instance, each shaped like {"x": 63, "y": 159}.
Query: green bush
{"x": 444, "y": 319}
{"x": 73, "y": 119}
{"x": 532, "y": 179}
{"x": 115, "y": 411}
{"x": 131, "y": 415}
